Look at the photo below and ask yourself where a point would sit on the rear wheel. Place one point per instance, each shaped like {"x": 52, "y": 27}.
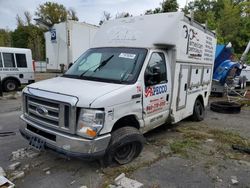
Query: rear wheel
{"x": 125, "y": 145}
{"x": 199, "y": 111}
{"x": 10, "y": 85}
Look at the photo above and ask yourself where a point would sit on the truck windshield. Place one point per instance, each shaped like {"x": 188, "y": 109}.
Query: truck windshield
{"x": 118, "y": 65}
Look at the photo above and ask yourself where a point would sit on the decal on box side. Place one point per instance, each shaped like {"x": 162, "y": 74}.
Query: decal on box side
{"x": 155, "y": 105}
{"x": 9, "y": 69}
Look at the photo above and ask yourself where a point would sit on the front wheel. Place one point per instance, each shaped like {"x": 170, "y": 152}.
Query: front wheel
{"x": 125, "y": 145}
{"x": 10, "y": 85}
{"x": 199, "y": 111}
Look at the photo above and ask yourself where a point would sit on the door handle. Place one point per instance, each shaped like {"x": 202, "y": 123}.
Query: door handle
{"x": 167, "y": 97}
{"x": 185, "y": 87}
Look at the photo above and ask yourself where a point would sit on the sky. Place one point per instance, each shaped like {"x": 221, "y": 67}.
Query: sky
{"x": 90, "y": 11}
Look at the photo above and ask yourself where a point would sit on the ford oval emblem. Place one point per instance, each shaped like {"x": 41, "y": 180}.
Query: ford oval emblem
{"x": 41, "y": 110}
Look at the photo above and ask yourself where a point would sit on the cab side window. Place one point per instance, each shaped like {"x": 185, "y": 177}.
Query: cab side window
{"x": 8, "y": 59}
{"x": 21, "y": 60}
{"x": 1, "y": 63}
{"x": 156, "y": 71}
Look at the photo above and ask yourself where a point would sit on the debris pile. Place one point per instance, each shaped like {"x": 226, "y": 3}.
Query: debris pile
{"x": 123, "y": 182}
{"x": 23, "y": 153}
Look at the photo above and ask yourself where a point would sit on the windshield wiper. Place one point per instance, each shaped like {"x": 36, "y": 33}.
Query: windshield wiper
{"x": 103, "y": 63}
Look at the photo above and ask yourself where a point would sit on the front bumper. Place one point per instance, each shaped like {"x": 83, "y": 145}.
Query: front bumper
{"x": 68, "y": 144}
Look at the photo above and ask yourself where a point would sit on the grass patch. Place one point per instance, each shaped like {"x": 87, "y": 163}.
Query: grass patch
{"x": 227, "y": 137}
{"x": 197, "y": 135}
{"x": 181, "y": 146}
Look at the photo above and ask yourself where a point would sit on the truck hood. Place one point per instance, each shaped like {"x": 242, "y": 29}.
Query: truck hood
{"x": 86, "y": 91}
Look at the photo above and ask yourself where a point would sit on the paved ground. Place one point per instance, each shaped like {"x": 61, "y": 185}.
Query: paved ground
{"x": 189, "y": 154}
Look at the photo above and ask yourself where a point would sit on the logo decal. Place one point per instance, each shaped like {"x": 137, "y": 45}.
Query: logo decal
{"x": 155, "y": 90}
{"x": 41, "y": 111}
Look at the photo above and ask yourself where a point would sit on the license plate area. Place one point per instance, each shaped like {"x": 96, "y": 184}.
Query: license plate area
{"x": 37, "y": 143}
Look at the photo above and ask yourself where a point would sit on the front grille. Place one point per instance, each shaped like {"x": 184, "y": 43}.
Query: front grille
{"x": 49, "y": 113}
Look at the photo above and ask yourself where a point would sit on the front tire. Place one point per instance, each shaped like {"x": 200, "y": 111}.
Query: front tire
{"x": 199, "y": 111}
{"x": 125, "y": 145}
{"x": 10, "y": 85}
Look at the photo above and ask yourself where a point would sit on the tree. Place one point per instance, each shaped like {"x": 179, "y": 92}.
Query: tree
{"x": 205, "y": 11}
{"x": 27, "y": 35}
{"x": 229, "y": 24}
{"x": 123, "y": 15}
{"x": 169, "y": 6}
{"x": 106, "y": 17}
{"x": 19, "y": 20}
{"x": 72, "y": 14}
{"x": 5, "y": 38}
{"x": 28, "y": 17}
{"x": 52, "y": 12}
{"x": 166, "y": 6}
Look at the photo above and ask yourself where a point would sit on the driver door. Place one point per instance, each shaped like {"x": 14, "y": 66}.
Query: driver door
{"x": 156, "y": 95}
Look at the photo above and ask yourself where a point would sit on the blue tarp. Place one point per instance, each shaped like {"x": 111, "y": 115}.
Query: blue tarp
{"x": 223, "y": 64}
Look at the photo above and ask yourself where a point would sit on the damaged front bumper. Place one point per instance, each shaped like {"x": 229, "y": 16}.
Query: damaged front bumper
{"x": 68, "y": 144}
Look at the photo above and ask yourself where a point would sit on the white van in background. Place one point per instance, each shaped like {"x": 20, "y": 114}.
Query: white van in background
{"x": 15, "y": 68}
{"x": 246, "y": 72}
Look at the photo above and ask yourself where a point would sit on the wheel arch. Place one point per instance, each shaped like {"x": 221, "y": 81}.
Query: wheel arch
{"x": 200, "y": 98}
{"x": 11, "y": 78}
{"x": 129, "y": 120}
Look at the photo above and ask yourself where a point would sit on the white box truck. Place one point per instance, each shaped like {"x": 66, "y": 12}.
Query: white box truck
{"x": 16, "y": 68}
{"x": 66, "y": 41}
{"x": 142, "y": 72}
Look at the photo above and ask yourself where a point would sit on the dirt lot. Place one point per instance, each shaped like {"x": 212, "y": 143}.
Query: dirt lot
{"x": 189, "y": 154}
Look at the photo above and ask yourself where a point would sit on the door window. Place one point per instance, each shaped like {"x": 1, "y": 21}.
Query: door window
{"x": 1, "y": 63}
{"x": 21, "y": 60}
{"x": 8, "y": 59}
{"x": 156, "y": 72}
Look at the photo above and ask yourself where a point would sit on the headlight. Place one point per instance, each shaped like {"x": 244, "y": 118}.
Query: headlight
{"x": 90, "y": 122}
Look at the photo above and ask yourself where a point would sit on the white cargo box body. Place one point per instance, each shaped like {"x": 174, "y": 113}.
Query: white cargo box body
{"x": 160, "y": 30}
{"x": 66, "y": 41}
{"x": 190, "y": 48}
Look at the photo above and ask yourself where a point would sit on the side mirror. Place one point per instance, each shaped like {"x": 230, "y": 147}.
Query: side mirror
{"x": 70, "y": 65}
{"x": 153, "y": 77}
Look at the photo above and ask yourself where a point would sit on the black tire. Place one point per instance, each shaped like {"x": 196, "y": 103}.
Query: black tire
{"x": 225, "y": 107}
{"x": 199, "y": 111}
{"x": 10, "y": 85}
{"x": 126, "y": 144}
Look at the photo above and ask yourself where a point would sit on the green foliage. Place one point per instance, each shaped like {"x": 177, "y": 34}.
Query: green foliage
{"x": 230, "y": 19}
{"x": 20, "y": 37}
{"x": 169, "y": 6}
{"x": 52, "y": 12}
{"x": 166, "y": 6}
{"x": 27, "y": 35}
{"x": 5, "y": 38}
